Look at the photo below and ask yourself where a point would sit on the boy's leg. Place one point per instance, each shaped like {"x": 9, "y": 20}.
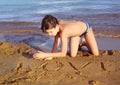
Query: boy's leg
{"x": 74, "y": 44}
{"x": 91, "y": 42}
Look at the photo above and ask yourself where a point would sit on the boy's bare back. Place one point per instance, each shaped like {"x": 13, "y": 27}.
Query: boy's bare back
{"x": 73, "y": 28}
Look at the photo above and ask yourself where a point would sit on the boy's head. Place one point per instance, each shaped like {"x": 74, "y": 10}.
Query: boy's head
{"x": 49, "y": 22}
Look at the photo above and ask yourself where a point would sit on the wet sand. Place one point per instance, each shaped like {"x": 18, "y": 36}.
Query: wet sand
{"x": 17, "y": 67}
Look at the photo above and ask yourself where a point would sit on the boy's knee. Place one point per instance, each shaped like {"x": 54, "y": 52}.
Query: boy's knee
{"x": 73, "y": 55}
{"x": 96, "y": 53}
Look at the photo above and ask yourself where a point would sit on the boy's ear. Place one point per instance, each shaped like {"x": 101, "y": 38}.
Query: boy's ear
{"x": 57, "y": 27}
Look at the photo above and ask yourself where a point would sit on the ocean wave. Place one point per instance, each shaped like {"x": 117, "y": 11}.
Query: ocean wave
{"x": 54, "y": 2}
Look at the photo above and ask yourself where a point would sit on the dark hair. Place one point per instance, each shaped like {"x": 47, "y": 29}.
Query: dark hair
{"x": 48, "y": 21}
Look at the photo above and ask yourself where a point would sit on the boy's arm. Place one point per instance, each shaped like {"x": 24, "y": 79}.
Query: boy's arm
{"x": 56, "y": 43}
{"x": 62, "y": 53}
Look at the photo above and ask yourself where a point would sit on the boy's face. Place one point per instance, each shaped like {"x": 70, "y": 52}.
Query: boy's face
{"x": 52, "y": 31}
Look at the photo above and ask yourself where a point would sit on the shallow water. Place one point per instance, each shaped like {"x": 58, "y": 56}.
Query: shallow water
{"x": 103, "y": 44}
{"x": 46, "y": 43}
{"x": 108, "y": 43}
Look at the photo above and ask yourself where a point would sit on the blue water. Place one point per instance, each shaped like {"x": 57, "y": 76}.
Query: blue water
{"x": 34, "y": 10}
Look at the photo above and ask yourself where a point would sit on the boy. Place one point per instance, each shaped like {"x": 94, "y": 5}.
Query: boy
{"x": 62, "y": 30}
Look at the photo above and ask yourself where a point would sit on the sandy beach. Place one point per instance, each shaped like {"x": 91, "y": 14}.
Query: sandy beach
{"x": 17, "y": 67}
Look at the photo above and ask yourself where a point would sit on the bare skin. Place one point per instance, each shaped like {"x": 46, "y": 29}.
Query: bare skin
{"x": 72, "y": 30}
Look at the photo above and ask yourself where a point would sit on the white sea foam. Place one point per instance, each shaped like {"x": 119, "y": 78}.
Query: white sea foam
{"x": 55, "y": 2}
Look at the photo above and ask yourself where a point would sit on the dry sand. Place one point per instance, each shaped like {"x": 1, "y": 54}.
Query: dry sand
{"x": 17, "y": 67}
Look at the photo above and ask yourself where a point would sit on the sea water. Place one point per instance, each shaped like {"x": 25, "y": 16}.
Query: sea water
{"x": 34, "y": 10}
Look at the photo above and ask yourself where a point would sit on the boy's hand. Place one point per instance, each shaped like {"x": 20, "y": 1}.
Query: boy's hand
{"x": 41, "y": 55}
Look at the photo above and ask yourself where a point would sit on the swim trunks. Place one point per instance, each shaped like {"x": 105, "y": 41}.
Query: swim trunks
{"x": 86, "y": 31}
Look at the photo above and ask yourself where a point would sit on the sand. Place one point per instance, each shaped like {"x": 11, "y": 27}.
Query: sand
{"x": 17, "y": 67}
